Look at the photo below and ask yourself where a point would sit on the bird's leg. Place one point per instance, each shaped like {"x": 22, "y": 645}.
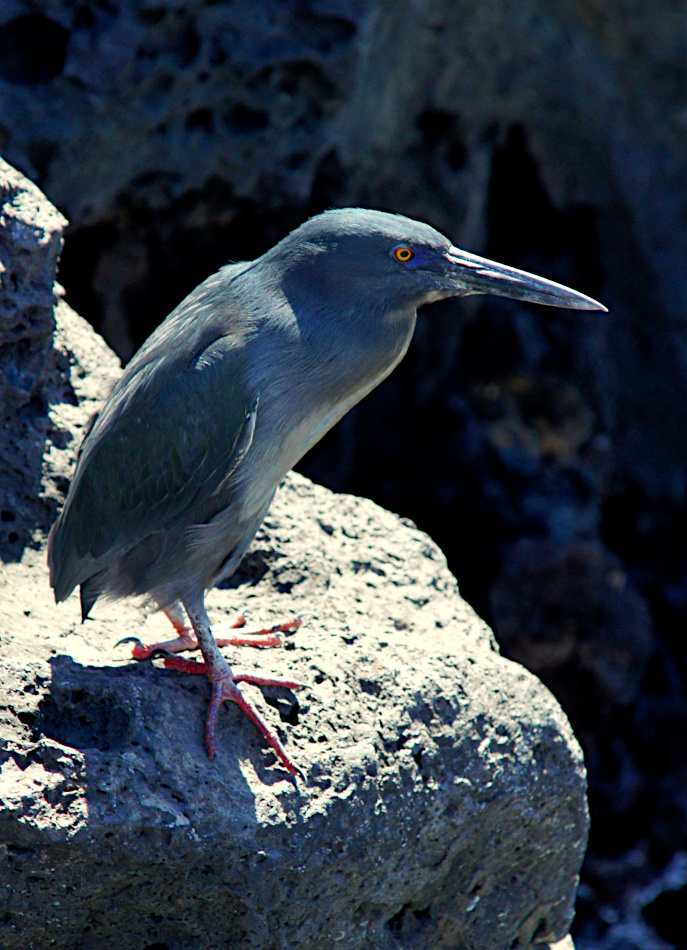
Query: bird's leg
{"x": 224, "y": 682}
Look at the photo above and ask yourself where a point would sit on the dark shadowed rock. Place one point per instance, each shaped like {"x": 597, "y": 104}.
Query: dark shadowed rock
{"x": 444, "y": 803}
{"x": 570, "y": 613}
{"x": 564, "y": 606}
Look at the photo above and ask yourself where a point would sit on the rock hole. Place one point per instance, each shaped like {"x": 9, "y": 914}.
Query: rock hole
{"x": 417, "y": 755}
{"x": 33, "y": 49}
{"x": 441, "y": 131}
{"x": 28, "y": 718}
{"x": 517, "y": 193}
{"x": 309, "y": 80}
{"x": 41, "y": 154}
{"x": 7, "y": 515}
{"x": 288, "y": 710}
{"x": 296, "y": 160}
{"x": 62, "y": 484}
{"x": 241, "y": 119}
{"x": 370, "y": 687}
{"x": 200, "y": 119}
{"x": 16, "y": 851}
{"x": 409, "y": 921}
{"x": 395, "y": 923}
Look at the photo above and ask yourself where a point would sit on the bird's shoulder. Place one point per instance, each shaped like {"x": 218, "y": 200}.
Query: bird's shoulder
{"x": 209, "y": 326}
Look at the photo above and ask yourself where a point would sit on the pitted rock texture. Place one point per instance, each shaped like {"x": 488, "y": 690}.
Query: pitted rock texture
{"x": 30, "y": 244}
{"x": 445, "y": 797}
{"x": 444, "y": 801}
{"x": 38, "y": 368}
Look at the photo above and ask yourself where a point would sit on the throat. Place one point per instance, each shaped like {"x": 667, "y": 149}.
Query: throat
{"x": 363, "y": 370}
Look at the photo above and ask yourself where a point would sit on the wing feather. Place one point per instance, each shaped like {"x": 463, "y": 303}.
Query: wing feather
{"x": 153, "y": 460}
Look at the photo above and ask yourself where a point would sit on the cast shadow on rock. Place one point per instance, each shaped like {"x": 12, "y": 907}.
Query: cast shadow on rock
{"x": 139, "y": 731}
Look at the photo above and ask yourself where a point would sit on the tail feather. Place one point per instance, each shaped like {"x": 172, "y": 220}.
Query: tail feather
{"x": 67, "y": 569}
{"x": 58, "y": 582}
{"x": 89, "y": 592}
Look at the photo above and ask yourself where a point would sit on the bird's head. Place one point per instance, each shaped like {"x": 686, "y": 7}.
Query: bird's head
{"x": 394, "y": 262}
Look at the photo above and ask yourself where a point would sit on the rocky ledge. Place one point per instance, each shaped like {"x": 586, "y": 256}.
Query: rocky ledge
{"x": 443, "y": 804}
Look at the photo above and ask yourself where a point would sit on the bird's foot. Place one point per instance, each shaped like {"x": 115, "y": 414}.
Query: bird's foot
{"x": 224, "y": 688}
{"x": 186, "y": 640}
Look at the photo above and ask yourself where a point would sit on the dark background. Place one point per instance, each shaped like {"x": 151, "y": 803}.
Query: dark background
{"x": 545, "y": 450}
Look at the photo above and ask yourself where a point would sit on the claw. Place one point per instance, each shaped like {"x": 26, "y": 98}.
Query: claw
{"x": 140, "y": 651}
{"x": 128, "y": 640}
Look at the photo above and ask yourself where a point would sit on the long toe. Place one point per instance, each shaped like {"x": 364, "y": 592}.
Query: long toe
{"x": 257, "y": 680}
{"x": 264, "y": 637}
{"x": 224, "y": 688}
{"x": 182, "y": 665}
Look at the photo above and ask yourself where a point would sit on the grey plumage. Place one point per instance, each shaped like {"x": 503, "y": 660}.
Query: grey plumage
{"x": 248, "y": 372}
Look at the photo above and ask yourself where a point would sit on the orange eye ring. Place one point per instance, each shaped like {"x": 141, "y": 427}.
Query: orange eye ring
{"x": 403, "y": 254}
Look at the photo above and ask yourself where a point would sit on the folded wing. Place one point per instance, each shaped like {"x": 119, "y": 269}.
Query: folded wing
{"x": 158, "y": 456}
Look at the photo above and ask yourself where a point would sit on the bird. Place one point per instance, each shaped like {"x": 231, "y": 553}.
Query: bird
{"x": 179, "y": 467}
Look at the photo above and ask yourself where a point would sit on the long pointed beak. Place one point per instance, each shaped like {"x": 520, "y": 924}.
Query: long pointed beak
{"x": 471, "y": 274}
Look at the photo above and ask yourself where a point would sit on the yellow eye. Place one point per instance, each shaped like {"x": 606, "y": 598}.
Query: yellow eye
{"x": 403, "y": 254}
